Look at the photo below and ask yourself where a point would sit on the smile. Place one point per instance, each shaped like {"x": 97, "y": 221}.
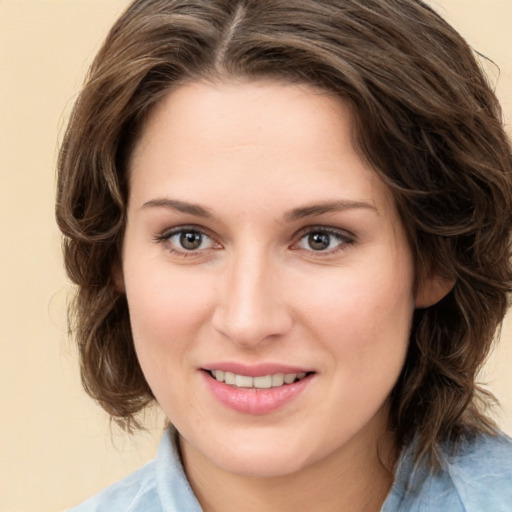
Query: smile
{"x": 268, "y": 389}
{"x": 261, "y": 382}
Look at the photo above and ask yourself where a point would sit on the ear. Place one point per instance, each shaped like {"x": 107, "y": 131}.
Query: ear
{"x": 432, "y": 290}
{"x": 118, "y": 277}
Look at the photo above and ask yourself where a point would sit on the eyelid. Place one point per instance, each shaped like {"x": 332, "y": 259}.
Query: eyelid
{"x": 167, "y": 234}
{"x": 345, "y": 237}
{"x": 326, "y": 229}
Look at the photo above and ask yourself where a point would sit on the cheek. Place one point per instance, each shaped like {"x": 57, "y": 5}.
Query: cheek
{"x": 167, "y": 313}
{"x": 164, "y": 302}
{"x": 365, "y": 329}
{"x": 364, "y": 316}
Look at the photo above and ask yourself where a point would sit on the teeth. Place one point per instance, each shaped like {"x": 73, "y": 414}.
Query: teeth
{"x": 277, "y": 379}
{"x": 242, "y": 381}
{"x": 289, "y": 378}
{"x": 263, "y": 382}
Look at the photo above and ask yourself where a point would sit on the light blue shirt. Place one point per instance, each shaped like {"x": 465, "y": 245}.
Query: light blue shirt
{"x": 478, "y": 479}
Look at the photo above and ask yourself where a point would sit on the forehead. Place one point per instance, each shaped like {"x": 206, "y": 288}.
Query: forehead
{"x": 249, "y": 112}
{"x": 250, "y": 137}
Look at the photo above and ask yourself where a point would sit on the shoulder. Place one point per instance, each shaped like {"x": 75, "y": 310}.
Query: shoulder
{"x": 159, "y": 486}
{"x": 494, "y": 449}
{"x": 482, "y": 473}
{"x": 476, "y": 477}
{"x": 138, "y": 491}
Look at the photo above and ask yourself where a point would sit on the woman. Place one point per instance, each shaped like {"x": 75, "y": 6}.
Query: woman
{"x": 289, "y": 225}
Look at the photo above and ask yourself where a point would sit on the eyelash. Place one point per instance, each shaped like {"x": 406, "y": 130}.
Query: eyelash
{"x": 166, "y": 237}
{"x": 343, "y": 238}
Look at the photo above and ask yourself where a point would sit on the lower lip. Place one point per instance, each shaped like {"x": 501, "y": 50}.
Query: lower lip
{"x": 253, "y": 400}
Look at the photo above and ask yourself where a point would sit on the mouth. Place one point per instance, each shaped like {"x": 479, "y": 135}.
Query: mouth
{"x": 256, "y": 389}
{"x": 275, "y": 380}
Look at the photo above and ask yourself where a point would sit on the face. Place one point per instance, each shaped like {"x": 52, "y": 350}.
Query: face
{"x": 268, "y": 277}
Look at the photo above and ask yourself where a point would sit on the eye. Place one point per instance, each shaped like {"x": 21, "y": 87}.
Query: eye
{"x": 186, "y": 239}
{"x": 323, "y": 240}
{"x": 189, "y": 240}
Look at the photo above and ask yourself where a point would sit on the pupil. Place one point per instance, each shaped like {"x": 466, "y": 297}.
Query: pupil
{"x": 318, "y": 241}
{"x": 190, "y": 240}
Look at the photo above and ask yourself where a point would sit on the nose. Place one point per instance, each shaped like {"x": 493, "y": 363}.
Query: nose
{"x": 251, "y": 308}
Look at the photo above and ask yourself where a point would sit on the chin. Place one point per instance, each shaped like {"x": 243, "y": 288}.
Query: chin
{"x": 263, "y": 464}
{"x": 248, "y": 454}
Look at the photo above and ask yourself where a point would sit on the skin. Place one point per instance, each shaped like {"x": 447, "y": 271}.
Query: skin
{"x": 255, "y": 290}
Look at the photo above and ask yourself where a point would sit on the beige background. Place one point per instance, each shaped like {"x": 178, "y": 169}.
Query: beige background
{"x": 56, "y": 447}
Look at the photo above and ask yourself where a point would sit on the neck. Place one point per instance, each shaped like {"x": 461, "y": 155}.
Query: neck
{"x": 357, "y": 478}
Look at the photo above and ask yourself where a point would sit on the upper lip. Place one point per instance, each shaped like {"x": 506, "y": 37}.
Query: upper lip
{"x": 255, "y": 370}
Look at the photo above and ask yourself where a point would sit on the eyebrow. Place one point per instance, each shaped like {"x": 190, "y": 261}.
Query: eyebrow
{"x": 327, "y": 207}
{"x": 181, "y": 206}
{"x": 302, "y": 212}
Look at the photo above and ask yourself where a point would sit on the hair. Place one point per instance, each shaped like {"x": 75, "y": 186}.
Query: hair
{"x": 426, "y": 120}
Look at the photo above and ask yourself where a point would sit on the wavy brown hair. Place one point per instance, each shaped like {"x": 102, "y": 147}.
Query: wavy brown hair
{"x": 426, "y": 119}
